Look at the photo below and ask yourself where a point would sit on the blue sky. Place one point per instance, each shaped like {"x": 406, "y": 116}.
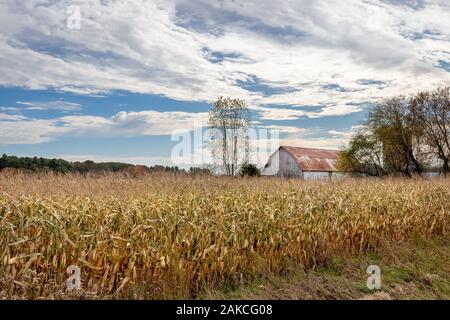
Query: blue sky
{"x": 131, "y": 73}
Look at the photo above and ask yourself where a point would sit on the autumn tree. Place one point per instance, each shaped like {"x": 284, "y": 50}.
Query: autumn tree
{"x": 364, "y": 155}
{"x": 403, "y": 135}
{"x": 229, "y": 121}
{"x": 432, "y": 112}
{"x": 393, "y": 124}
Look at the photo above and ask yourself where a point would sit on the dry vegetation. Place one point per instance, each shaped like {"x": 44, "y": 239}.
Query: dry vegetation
{"x": 418, "y": 268}
{"x": 178, "y": 236}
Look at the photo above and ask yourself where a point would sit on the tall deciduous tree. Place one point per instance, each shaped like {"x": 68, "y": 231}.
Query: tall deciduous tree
{"x": 364, "y": 155}
{"x": 432, "y": 111}
{"x": 408, "y": 135}
{"x": 393, "y": 124}
{"x": 229, "y": 121}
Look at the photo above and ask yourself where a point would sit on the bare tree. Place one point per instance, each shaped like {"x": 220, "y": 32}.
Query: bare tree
{"x": 432, "y": 111}
{"x": 229, "y": 121}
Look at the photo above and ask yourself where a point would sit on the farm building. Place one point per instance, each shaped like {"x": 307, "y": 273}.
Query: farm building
{"x": 305, "y": 163}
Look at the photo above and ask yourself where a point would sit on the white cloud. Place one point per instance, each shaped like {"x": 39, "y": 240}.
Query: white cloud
{"x": 266, "y": 113}
{"x": 10, "y": 117}
{"x": 335, "y": 110}
{"x": 288, "y": 129}
{"x": 15, "y": 129}
{"x": 158, "y": 47}
{"x": 334, "y": 139}
{"x": 345, "y": 134}
{"x": 315, "y": 137}
{"x": 49, "y": 105}
{"x": 22, "y": 130}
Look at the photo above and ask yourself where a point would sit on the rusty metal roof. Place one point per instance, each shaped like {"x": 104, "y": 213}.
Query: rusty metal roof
{"x": 309, "y": 159}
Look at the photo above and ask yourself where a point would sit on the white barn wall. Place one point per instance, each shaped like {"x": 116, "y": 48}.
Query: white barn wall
{"x": 282, "y": 164}
{"x": 320, "y": 175}
{"x": 271, "y": 168}
{"x": 312, "y": 175}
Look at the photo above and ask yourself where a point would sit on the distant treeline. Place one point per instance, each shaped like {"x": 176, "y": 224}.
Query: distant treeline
{"x": 36, "y": 164}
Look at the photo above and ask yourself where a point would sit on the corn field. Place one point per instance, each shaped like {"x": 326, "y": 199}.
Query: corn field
{"x": 173, "y": 236}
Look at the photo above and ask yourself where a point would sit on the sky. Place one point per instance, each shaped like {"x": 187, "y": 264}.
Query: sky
{"x": 118, "y": 80}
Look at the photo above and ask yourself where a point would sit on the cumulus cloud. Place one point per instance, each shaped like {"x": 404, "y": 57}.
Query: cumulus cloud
{"x": 22, "y": 130}
{"x": 288, "y": 60}
{"x": 17, "y": 129}
{"x": 334, "y": 54}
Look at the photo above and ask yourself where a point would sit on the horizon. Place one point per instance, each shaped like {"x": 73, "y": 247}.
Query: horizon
{"x": 114, "y": 81}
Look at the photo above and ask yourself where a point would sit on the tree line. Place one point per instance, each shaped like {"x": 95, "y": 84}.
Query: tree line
{"x": 35, "y": 164}
{"x": 402, "y": 136}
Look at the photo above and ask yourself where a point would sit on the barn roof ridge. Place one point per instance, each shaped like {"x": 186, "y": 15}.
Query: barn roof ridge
{"x": 309, "y": 148}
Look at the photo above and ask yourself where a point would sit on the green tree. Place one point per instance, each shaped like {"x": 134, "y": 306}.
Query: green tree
{"x": 250, "y": 170}
{"x": 364, "y": 155}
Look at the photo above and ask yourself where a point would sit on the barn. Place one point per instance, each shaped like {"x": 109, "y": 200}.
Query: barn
{"x": 305, "y": 163}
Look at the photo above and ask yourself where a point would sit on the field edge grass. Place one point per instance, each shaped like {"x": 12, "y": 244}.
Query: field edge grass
{"x": 416, "y": 269}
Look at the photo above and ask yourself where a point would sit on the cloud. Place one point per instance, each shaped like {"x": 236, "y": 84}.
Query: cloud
{"x": 22, "y": 130}
{"x": 345, "y": 134}
{"x": 288, "y": 129}
{"x": 336, "y": 110}
{"x": 316, "y": 137}
{"x": 262, "y": 148}
{"x": 268, "y": 53}
{"x": 266, "y": 113}
{"x": 49, "y": 105}
{"x": 10, "y": 117}
{"x": 280, "y": 113}
{"x": 16, "y": 129}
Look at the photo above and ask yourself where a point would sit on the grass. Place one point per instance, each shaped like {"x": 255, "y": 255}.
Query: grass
{"x": 176, "y": 236}
{"x": 416, "y": 269}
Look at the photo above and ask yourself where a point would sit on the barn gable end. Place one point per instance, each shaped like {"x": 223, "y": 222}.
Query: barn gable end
{"x": 282, "y": 164}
